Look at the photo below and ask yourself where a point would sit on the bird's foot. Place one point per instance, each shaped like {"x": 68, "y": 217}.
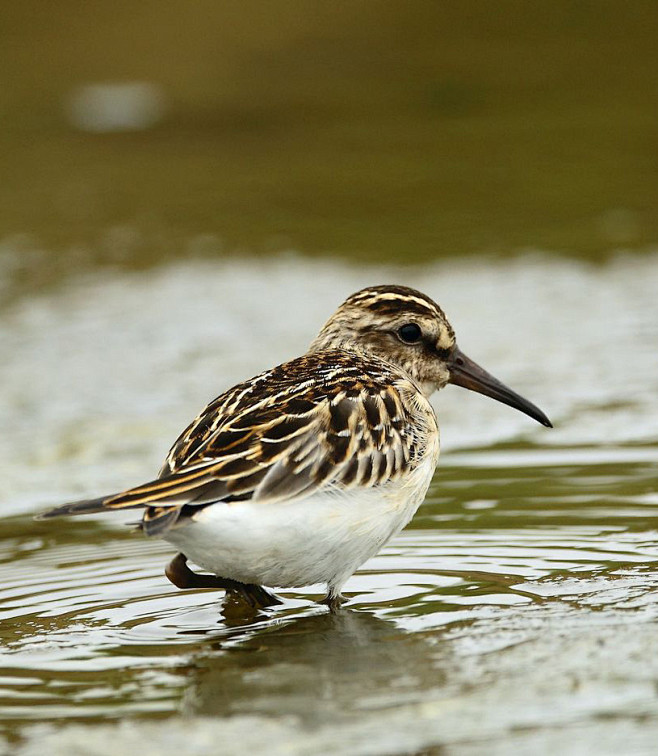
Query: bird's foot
{"x": 256, "y": 595}
{"x": 334, "y": 602}
{"x": 182, "y": 577}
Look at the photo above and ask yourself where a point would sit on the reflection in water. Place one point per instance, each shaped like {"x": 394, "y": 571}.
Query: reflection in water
{"x": 315, "y": 668}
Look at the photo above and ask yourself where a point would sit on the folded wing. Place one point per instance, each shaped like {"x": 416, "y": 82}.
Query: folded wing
{"x": 281, "y": 446}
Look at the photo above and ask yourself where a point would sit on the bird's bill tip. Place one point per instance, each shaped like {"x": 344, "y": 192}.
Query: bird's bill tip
{"x": 468, "y": 374}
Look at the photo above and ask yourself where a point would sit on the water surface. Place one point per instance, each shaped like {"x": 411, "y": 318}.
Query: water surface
{"x": 518, "y": 611}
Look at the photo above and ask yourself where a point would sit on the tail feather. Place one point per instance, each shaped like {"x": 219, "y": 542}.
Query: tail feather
{"x": 83, "y": 506}
{"x": 170, "y": 492}
{"x": 157, "y": 520}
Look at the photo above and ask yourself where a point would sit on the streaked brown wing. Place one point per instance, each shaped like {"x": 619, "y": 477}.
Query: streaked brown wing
{"x": 289, "y": 445}
{"x": 278, "y": 437}
{"x": 276, "y": 453}
{"x": 268, "y": 455}
{"x": 201, "y": 429}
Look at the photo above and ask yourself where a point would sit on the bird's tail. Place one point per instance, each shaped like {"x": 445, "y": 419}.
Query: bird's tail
{"x": 83, "y": 506}
{"x": 162, "y": 498}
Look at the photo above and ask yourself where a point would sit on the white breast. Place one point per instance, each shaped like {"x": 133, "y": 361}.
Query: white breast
{"x": 322, "y": 538}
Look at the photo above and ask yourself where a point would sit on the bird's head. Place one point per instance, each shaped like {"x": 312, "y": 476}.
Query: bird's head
{"x": 408, "y": 329}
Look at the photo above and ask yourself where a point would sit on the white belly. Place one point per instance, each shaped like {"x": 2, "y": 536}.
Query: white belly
{"x": 322, "y": 538}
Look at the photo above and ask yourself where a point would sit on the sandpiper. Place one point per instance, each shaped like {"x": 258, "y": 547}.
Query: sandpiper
{"x": 301, "y": 474}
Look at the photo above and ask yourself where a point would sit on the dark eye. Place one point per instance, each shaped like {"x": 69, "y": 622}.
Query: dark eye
{"x": 409, "y": 333}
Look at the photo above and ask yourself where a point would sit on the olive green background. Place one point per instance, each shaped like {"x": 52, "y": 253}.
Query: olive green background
{"x": 390, "y": 131}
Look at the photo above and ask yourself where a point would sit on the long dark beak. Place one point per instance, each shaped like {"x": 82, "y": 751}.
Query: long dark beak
{"x": 464, "y": 372}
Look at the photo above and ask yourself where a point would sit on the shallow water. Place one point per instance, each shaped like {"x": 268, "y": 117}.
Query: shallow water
{"x": 517, "y": 612}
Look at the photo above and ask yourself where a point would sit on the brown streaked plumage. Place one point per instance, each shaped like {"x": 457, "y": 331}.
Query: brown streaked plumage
{"x": 348, "y": 420}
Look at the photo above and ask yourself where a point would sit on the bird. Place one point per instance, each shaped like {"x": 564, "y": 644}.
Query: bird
{"x": 301, "y": 474}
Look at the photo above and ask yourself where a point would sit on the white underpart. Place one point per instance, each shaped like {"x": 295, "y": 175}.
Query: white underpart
{"x": 322, "y": 538}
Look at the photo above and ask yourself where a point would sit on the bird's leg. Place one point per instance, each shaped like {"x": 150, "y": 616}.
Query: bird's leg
{"x": 182, "y": 576}
{"x": 334, "y": 601}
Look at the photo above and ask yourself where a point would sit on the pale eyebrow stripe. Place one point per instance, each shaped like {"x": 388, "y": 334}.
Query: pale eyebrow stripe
{"x": 420, "y": 305}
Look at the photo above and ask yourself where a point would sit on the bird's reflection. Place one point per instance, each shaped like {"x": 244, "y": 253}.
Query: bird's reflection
{"x": 313, "y": 667}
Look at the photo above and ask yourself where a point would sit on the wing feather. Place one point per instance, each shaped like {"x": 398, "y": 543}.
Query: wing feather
{"x": 279, "y": 438}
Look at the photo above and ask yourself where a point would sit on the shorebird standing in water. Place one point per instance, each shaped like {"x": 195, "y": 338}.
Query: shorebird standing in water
{"x": 301, "y": 474}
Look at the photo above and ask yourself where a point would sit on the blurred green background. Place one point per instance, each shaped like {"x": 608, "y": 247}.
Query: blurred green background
{"x": 389, "y": 131}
